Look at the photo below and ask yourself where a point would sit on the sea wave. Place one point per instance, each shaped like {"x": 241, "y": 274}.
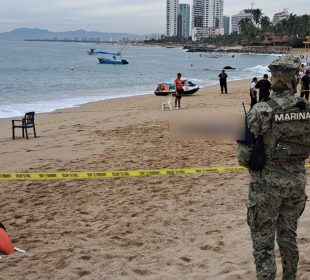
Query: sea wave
{"x": 16, "y": 110}
{"x": 262, "y": 69}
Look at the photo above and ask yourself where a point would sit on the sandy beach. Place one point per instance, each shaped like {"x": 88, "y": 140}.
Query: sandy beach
{"x": 151, "y": 228}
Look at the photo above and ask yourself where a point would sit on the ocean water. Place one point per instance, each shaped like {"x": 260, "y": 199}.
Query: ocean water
{"x": 44, "y": 76}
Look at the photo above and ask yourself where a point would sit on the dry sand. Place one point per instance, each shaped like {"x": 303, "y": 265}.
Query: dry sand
{"x": 157, "y": 227}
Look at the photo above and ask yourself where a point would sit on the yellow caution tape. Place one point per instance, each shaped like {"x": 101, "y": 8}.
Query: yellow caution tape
{"x": 115, "y": 174}
{"x": 112, "y": 174}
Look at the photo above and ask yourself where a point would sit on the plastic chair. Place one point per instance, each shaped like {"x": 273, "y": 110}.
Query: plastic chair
{"x": 168, "y": 103}
{"x": 26, "y": 122}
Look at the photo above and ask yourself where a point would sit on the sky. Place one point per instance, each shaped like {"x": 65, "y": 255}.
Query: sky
{"x": 130, "y": 16}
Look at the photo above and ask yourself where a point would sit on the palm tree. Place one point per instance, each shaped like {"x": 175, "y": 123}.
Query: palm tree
{"x": 292, "y": 25}
{"x": 257, "y": 15}
{"x": 247, "y": 30}
{"x": 265, "y": 25}
{"x": 304, "y": 25}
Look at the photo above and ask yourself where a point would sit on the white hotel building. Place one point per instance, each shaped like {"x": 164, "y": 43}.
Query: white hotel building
{"x": 172, "y": 17}
{"x": 207, "y": 18}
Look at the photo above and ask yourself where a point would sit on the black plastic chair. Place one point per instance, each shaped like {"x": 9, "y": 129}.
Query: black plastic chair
{"x": 26, "y": 122}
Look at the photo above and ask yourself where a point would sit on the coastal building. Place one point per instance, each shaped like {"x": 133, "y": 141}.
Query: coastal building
{"x": 226, "y": 21}
{"x": 172, "y": 10}
{"x": 207, "y": 18}
{"x": 279, "y": 17}
{"x": 235, "y": 19}
{"x": 307, "y": 42}
{"x": 184, "y": 21}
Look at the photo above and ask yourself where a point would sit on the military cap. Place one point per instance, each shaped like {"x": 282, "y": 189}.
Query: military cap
{"x": 286, "y": 66}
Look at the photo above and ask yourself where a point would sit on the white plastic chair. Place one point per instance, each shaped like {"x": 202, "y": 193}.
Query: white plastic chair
{"x": 167, "y": 103}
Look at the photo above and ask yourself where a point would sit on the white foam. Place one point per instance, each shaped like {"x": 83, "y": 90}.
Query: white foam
{"x": 15, "y": 110}
{"x": 258, "y": 68}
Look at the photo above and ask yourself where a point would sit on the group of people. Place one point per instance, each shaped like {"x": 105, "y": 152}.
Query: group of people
{"x": 264, "y": 86}
{"x": 179, "y": 91}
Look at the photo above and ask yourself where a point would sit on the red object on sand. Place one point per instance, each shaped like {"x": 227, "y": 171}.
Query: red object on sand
{"x": 6, "y": 245}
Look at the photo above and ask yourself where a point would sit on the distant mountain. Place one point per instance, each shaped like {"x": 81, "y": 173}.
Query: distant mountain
{"x": 42, "y": 34}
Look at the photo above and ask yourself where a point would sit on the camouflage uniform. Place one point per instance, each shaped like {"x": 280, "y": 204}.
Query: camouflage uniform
{"x": 277, "y": 192}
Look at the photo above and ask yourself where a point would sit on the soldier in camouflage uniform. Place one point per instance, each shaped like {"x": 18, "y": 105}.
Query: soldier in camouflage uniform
{"x": 277, "y": 192}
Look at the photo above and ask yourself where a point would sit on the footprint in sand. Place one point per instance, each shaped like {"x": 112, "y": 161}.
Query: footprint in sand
{"x": 141, "y": 272}
{"x": 186, "y": 259}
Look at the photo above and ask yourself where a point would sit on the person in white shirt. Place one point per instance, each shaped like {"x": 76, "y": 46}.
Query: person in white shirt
{"x": 253, "y": 92}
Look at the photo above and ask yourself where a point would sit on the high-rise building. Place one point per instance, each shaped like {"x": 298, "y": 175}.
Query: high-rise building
{"x": 226, "y": 21}
{"x": 245, "y": 14}
{"x": 279, "y": 17}
{"x": 172, "y": 17}
{"x": 207, "y": 19}
{"x": 184, "y": 21}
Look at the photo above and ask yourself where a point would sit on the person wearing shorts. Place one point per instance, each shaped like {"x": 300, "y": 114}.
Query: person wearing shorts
{"x": 178, "y": 85}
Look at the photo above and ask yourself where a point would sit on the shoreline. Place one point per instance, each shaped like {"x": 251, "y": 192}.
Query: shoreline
{"x": 118, "y": 97}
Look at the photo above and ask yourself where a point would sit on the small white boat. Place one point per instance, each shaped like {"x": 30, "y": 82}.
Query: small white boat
{"x": 110, "y": 57}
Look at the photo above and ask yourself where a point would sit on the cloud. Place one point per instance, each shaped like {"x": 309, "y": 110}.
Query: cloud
{"x": 134, "y": 16}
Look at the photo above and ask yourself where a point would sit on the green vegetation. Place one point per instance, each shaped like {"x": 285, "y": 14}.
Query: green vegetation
{"x": 294, "y": 26}
{"x": 168, "y": 40}
{"x": 255, "y": 30}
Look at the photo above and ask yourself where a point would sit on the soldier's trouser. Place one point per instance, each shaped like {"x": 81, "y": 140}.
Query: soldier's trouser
{"x": 275, "y": 210}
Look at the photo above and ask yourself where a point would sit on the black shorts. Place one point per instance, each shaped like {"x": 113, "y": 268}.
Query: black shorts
{"x": 179, "y": 93}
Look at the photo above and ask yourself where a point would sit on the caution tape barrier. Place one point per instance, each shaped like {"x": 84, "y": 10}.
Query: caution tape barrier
{"x": 115, "y": 174}
{"x": 112, "y": 174}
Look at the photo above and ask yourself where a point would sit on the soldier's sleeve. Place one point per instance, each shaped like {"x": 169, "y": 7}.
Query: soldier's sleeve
{"x": 254, "y": 121}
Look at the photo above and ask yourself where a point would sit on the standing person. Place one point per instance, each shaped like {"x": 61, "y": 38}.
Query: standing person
{"x": 302, "y": 70}
{"x": 264, "y": 87}
{"x": 253, "y": 92}
{"x": 178, "y": 85}
{"x": 277, "y": 195}
{"x": 305, "y": 82}
{"x": 223, "y": 81}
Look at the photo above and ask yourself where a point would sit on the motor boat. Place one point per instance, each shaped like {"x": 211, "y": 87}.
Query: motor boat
{"x": 110, "y": 57}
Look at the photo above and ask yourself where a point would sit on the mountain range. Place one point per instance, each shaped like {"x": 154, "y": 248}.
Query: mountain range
{"x": 43, "y": 34}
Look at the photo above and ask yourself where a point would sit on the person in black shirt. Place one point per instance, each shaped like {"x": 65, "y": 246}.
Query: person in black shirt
{"x": 264, "y": 87}
{"x": 223, "y": 81}
{"x": 305, "y": 82}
